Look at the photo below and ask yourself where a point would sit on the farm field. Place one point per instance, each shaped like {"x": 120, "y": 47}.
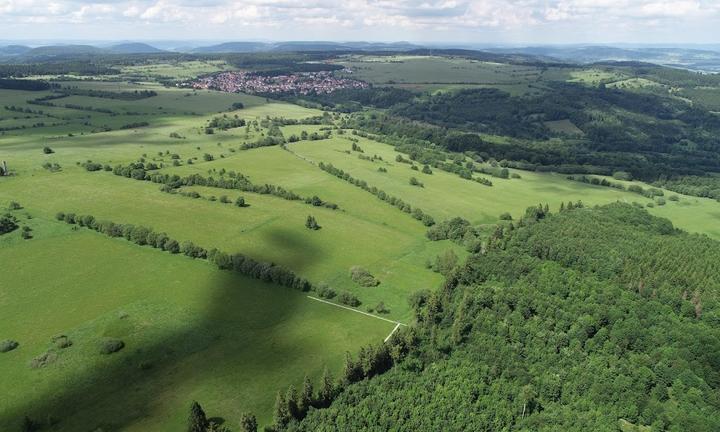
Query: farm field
{"x": 443, "y": 73}
{"x": 189, "y": 330}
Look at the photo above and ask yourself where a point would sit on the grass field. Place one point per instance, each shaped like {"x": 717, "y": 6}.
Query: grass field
{"x": 446, "y": 195}
{"x": 563, "y": 126}
{"x": 444, "y": 73}
{"x": 177, "y": 70}
{"x": 191, "y": 332}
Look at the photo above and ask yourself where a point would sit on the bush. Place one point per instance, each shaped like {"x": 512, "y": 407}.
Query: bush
{"x": 43, "y": 360}
{"x": 109, "y": 346}
{"x": 311, "y": 223}
{"x": 240, "y": 202}
{"x": 14, "y": 205}
{"x": 62, "y": 342}
{"x": 8, "y": 345}
{"x": 48, "y": 150}
{"x": 622, "y": 175}
{"x": 381, "y": 308}
{"x": 363, "y": 277}
{"x": 324, "y": 291}
{"x": 674, "y": 198}
{"x": 348, "y": 299}
{"x": 506, "y": 216}
{"x": 7, "y": 224}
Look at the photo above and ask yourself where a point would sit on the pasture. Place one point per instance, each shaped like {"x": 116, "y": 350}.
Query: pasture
{"x": 190, "y": 332}
{"x": 444, "y": 73}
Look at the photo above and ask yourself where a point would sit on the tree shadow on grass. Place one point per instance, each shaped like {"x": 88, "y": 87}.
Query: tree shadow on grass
{"x": 298, "y": 254}
{"x": 116, "y": 396}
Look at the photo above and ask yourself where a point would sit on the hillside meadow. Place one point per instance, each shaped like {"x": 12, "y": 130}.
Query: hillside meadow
{"x": 190, "y": 332}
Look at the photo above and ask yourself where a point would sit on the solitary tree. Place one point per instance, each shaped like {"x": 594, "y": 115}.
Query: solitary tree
{"x": 240, "y": 202}
{"x": 197, "y": 422}
{"x": 311, "y": 223}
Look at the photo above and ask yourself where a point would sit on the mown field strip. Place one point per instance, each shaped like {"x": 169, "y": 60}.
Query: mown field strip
{"x": 397, "y": 326}
{"x": 358, "y": 311}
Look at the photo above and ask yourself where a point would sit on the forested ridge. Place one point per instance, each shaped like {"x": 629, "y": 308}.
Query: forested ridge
{"x": 582, "y": 320}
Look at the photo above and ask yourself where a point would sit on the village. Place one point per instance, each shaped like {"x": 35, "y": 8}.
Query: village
{"x": 298, "y": 83}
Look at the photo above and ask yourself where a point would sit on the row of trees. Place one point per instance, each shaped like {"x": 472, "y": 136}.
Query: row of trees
{"x": 140, "y": 171}
{"x": 416, "y": 212}
{"x": 143, "y": 236}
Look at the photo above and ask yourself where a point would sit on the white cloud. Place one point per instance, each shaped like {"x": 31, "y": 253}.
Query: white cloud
{"x": 303, "y": 19}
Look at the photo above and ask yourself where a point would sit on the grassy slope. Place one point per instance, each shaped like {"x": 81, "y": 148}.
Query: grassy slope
{"x": 223, "y": 339}
{"x": 447, "y": 195}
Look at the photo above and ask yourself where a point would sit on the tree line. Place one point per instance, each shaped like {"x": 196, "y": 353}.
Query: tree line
{"x": 141, "y": 171}
{"x": 415, "y": 212}
{"x": 144, "y": 236}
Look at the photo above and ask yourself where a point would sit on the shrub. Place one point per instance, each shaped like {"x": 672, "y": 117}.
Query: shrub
{"x": 62, "y": 342}
{"x": 109, "y": 346}
{"x": 8, "y": 345}
{"x": 660, "y": 201}
{"x": 381, "y": 308}
{"x": 224, "y": 199}
{"x": 240, "y": 202}
{"x": 324, "y": 291}
{"x": 363, "y": 277}
{"x": 415, "y": 182}
{"x": 348, "y": 299}
{"x": 14, "y": 205}
{"x": 506, "y": 216}
{"x": 43, "y": 360}
{"x": 311, "y": 223}
{"x": 622, "y": 175}
{"x": 674, "y": 198}
{"x": 172, "y": 246}
{"x": 7, "y": 224}
{"x": 48, "y": 150}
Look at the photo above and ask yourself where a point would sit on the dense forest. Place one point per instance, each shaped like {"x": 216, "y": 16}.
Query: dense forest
{"x": 653, "y": 131}
{"x": 556, "y": 327}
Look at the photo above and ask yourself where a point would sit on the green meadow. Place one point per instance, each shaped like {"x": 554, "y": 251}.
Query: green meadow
{"x": 190, "y": 332}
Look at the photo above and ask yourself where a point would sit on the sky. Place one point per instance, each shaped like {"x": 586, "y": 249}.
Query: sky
{"x": 443, "y": 21}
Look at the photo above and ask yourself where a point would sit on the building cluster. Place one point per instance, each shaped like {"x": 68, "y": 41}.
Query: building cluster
{"x": 297, "y": 83}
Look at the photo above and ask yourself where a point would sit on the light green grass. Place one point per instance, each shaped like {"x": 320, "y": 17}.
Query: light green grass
{"x": 596, "y": 76}
{"x": 176, "y": 70}
{"x": 207, "y": 335}
{"x": 563, "y": 126}
{"x": 446, "y": 195}
{"x": 436, "y": 70}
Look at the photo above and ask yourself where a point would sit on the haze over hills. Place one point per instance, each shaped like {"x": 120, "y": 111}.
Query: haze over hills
{"x": 701, "y": 57}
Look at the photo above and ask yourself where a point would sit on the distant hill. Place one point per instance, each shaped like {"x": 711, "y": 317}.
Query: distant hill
{"x": 696, "y": 59}
{"x": 13, "y": 50}
{"x": 133, "y": 48}
{"x": 63, "y": 50}
{"x": 245, "y": 47}
{"x": 232, "y": 47}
